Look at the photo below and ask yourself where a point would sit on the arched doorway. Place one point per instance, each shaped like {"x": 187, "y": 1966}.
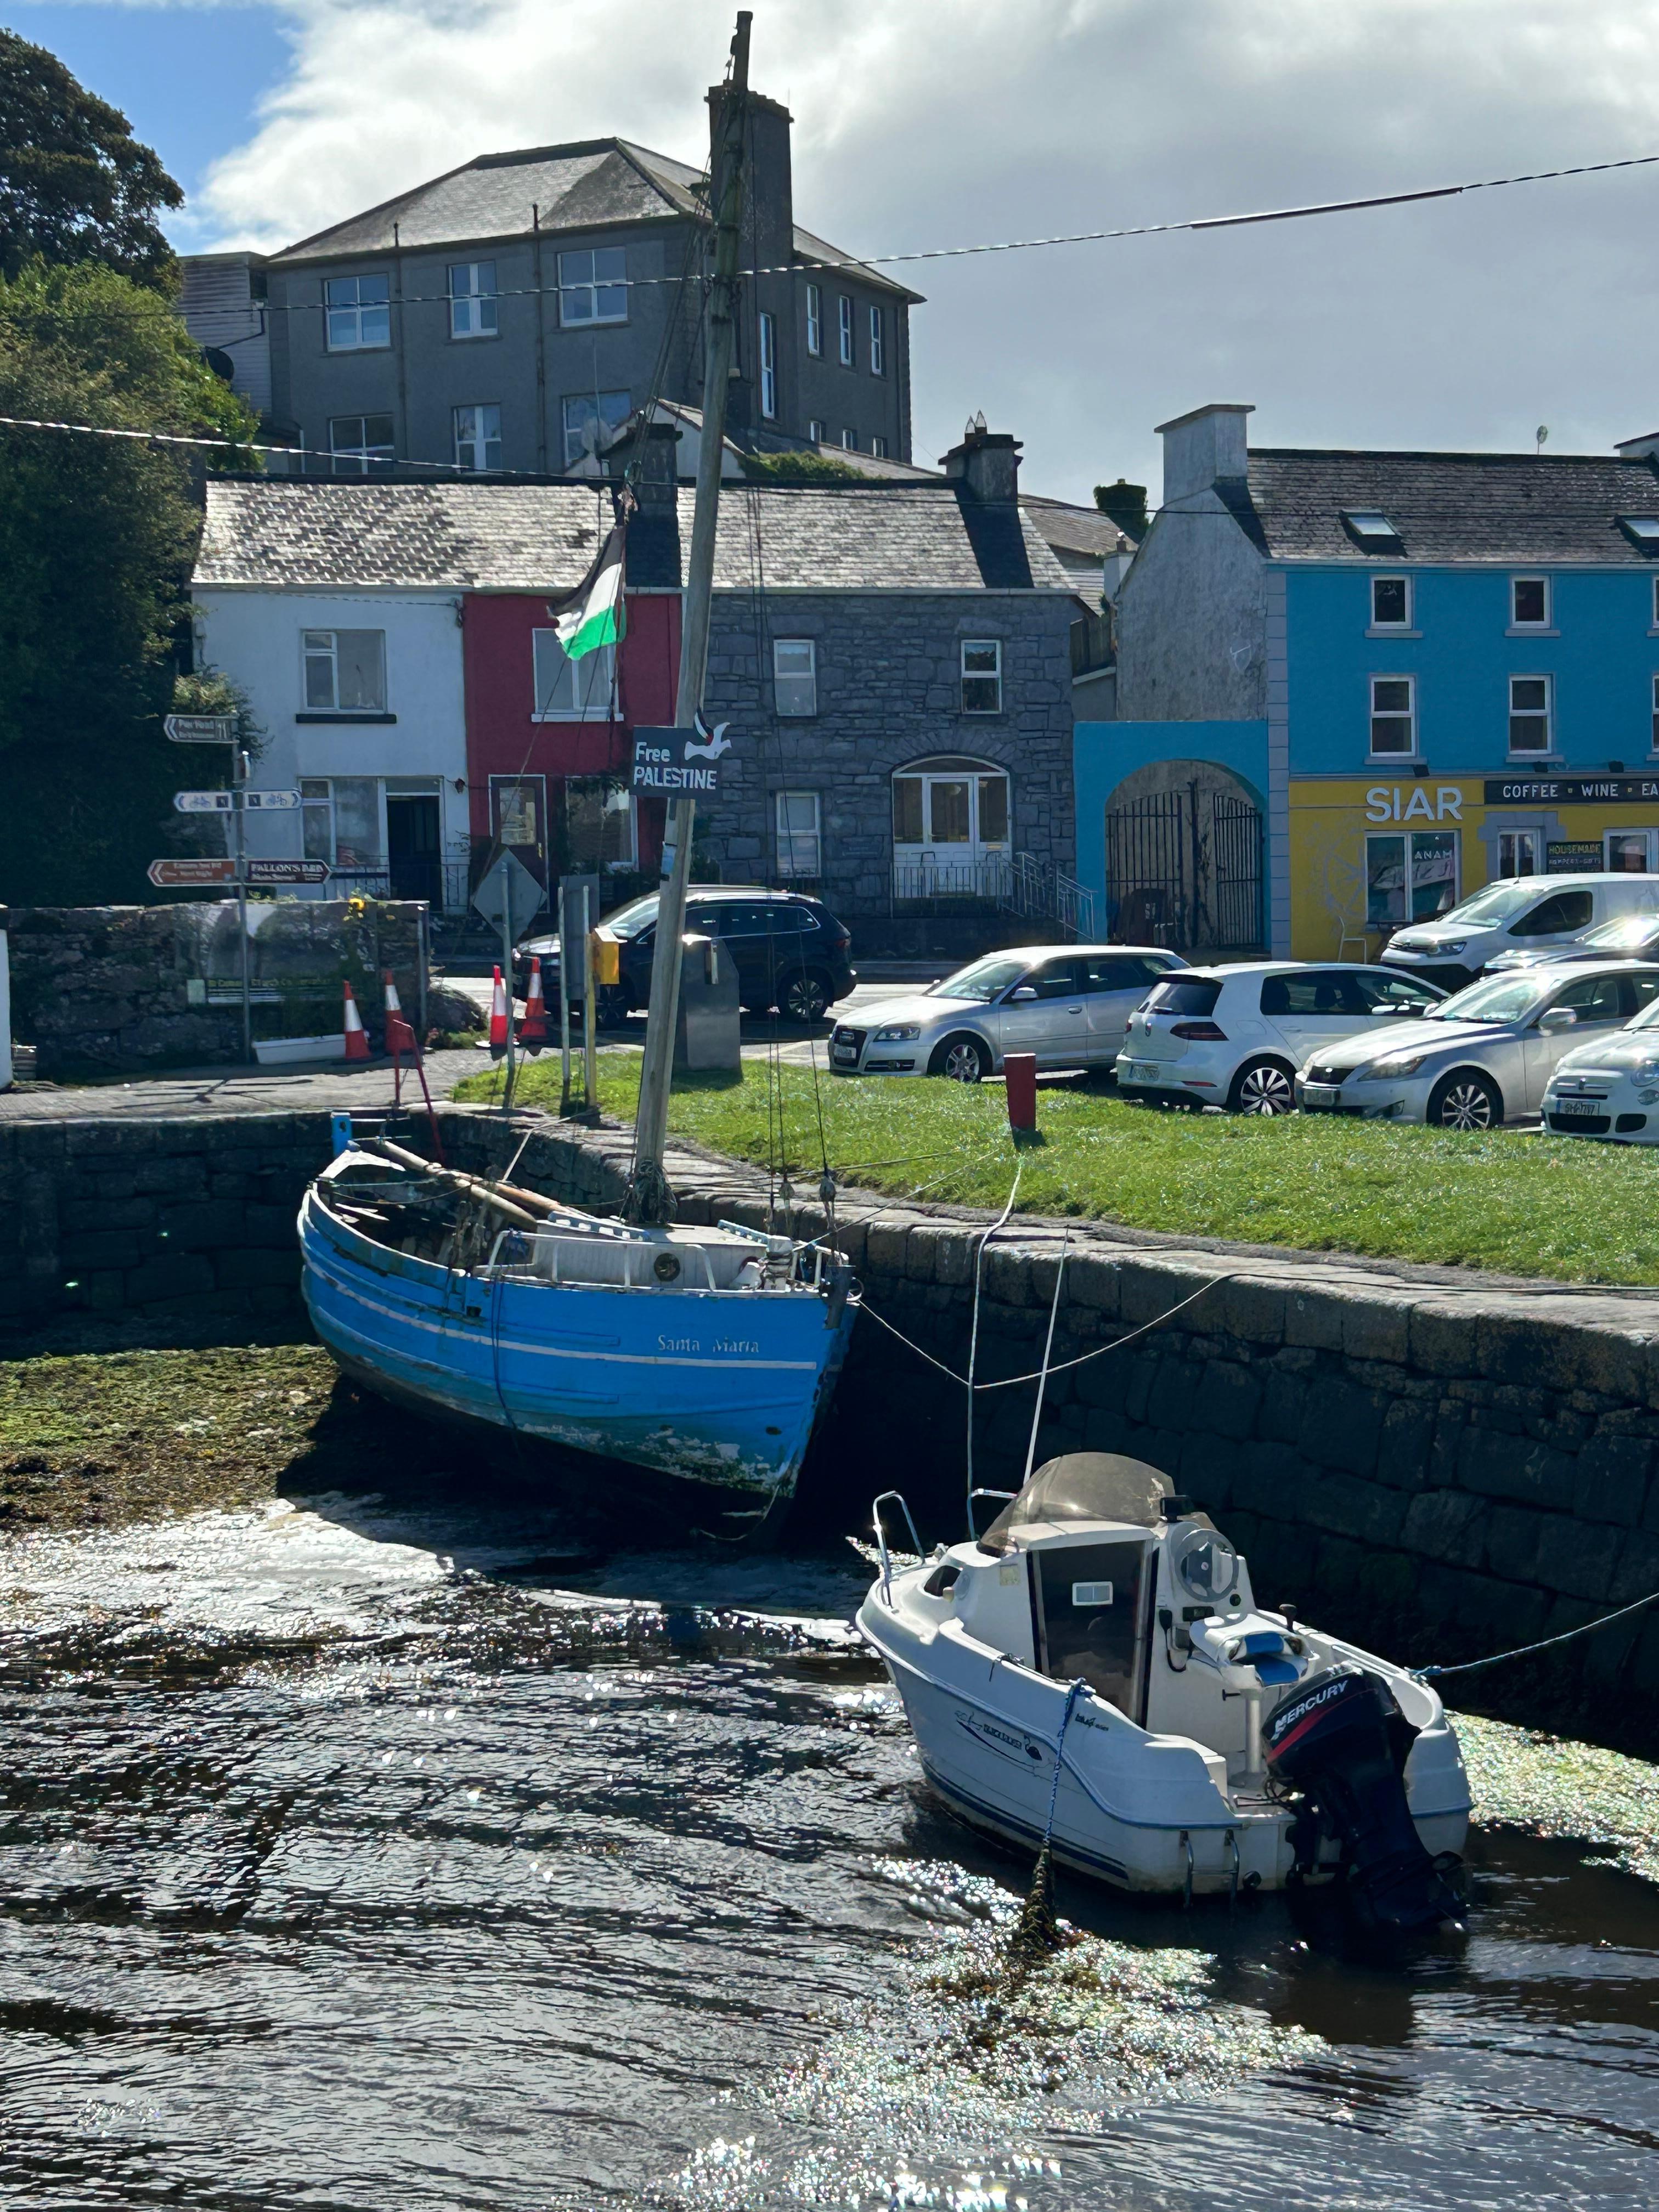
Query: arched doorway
{"x": 951, "y": 815}
{"x": 1183, "y": 859}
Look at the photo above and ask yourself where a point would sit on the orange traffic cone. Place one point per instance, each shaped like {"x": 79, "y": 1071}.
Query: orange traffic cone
{"x": 498, "y": 1018}
{"x": 399, "y": 1036}
{"x": 356, "y": 1044}
{"x": 533, "y": 1031}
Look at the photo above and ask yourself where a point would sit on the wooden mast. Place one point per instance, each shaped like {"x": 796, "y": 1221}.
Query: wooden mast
{"x": 649, "y": 1198}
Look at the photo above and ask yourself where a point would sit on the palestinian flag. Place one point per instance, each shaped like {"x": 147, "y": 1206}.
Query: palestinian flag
{"x": 594, "y": 615}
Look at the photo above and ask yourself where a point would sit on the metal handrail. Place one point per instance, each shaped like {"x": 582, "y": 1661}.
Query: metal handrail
{"x": 881, "y": 1539}
{"x": 973, "y": 1533}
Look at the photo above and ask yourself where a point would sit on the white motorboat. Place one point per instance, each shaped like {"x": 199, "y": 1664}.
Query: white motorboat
{"x": 1208, "y": 1746}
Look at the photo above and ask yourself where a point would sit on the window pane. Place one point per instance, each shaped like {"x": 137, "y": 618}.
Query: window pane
{"x": 1387, "y": 601}
{"x": 1385, "y": 881}
{"x": 356, "y": 817}
{"x": 947, "y": 813}
{"x": 907, "y": 810}
{"x": 319, "y": 678}
{"x": 1390, "y": 696}
{"x": 1434, "y": 873}
{"x": 590, "y": 417}
{"x": 518, "y": 810}
{"x": 1531, "y": 599}
{"x": 316, "y": 822}
{"x": 554, "y": 691}
{"x": 993, "y": 810}
{"x": 979, "y": 660}
{"x": 1528, "y": 695}
{"x": 371, "y": 288}
{"x": 794, "y": 676}
{"x": 360, "y": 656}
{"x": 1627, "y": 853}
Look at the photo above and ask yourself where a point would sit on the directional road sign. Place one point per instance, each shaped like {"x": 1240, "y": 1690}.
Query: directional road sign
{"x": 190, "y": 874}
{"x": 287, "y": 872}
{"x": 224, "y": 802}
{"x": 201, "y": 729}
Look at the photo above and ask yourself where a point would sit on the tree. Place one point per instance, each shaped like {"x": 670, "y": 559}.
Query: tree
{"x": 97, "y": 536}
{"x": 74, "y": 184}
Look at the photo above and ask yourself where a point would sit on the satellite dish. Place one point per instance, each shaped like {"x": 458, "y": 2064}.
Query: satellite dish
{"x": 1542, "y": 435}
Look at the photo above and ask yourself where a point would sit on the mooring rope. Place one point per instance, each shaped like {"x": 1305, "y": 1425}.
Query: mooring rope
{"x": 973, "y": 1331}
{"x": 1035, "y": 1930}
{"x": 1524, "y": 1651}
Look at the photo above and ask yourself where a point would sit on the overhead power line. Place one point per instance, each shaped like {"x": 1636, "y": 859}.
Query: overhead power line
{"x": 867, "y": 261}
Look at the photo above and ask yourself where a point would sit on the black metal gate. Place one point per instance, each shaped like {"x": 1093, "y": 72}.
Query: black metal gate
{"x": 1183, "y": 868}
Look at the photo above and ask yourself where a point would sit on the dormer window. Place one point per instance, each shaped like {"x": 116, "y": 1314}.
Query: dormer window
{"x": 1642, "y": 532}
{"x": 1372, "y": 531}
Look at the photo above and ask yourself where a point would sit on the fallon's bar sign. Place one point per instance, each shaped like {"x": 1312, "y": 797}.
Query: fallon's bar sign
{"x": 678, "y": 761}
{"x": 1569, "y": 790}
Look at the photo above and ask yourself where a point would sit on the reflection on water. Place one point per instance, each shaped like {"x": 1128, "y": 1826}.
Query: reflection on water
{"x": 357, "y": 1859}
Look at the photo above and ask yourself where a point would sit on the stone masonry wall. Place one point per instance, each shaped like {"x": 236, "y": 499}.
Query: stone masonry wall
{"x": 889, "y": 692}
{"x": 110, "y": 990}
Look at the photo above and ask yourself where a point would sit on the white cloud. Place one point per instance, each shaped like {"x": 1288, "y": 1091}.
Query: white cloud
{"x": 1462, "y": 323}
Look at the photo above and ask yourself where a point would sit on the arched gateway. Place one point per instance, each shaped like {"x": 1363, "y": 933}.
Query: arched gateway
{"x": 1183, "y": 859}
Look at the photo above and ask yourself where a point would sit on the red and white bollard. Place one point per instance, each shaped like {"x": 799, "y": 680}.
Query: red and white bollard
{"x": 356, "y": 1041}
{"x": 498, "y": 1019}
{"x": 533, "y": 1030}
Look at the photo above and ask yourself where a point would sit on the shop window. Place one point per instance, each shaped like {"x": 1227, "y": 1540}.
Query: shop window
{"x": 568, "y": 690}
{"x": 800, "y": 840}
{"x": 1519, "y": 852}
{"x": 1629, "y": 852}
{"x": 1393, "y": 716}
{"x": 1391, "y": 601}
{"x": 1409, "y": 877}
{"x": 1531, "y": 714}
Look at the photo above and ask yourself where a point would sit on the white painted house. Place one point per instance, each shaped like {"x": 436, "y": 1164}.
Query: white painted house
{"x": 360, "y": 691}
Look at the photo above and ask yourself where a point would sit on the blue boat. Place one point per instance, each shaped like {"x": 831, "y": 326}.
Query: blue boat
{"x": 702, "y": 1355}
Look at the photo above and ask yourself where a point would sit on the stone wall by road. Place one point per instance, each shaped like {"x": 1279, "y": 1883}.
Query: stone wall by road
{"x": 114, "y": 990}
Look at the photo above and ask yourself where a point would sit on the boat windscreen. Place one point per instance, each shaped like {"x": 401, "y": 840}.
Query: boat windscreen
{"x": 1082, "y": 1486}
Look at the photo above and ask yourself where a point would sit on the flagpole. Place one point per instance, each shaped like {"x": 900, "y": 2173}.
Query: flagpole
{"x": 649, "y": 1198}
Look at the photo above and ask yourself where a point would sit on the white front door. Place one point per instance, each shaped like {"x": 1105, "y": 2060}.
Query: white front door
{"x": 950, "y": 831}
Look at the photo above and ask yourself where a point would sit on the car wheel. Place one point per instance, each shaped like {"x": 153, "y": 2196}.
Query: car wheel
{"x": 1262, "y": 1087}
{"x": 805, "y": 996}
{"x": 1465, "y": 1099}
{"x": 963, "y": 1059}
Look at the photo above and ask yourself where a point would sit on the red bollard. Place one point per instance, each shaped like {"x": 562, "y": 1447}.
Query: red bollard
{"x": 1020, "y": 1069}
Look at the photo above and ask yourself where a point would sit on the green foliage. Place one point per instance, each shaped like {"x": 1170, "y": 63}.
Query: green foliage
{"x": 210, "y": 691}
{"x": 97, "y": 536}
{"x": 799, "y": 469}
{"x": 1527, "y": 1204}
{"x": 74, "y": 184}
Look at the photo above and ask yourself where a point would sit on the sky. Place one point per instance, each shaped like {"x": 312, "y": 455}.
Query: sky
{"x": 1463, "y": 323}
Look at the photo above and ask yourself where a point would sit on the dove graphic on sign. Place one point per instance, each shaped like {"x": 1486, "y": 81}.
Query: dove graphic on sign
{"x": 715, "y": 740}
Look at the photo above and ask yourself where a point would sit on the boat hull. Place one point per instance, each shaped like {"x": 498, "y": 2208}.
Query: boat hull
{"x": 717, "y": 1391}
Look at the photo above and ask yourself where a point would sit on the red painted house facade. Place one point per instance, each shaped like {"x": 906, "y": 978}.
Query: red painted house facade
{"x": 550, "y": 743}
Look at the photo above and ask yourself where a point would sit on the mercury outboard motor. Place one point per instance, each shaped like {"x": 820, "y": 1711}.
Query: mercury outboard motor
{"x": 1340, "y": 1742}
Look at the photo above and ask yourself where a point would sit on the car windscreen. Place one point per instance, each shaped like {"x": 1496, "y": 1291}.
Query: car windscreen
{"x": 1648, "y": 1019}
{"x": 1501, "y": 999}
{"x": 632, "y": 919}
{"x": 1184, "y": 994}
{"x": 981, "y": 980}
{"x": 1496, "y": 903}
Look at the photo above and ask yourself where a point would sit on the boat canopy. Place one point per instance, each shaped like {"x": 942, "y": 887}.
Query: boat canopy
{"x": 1082, "y": 1486}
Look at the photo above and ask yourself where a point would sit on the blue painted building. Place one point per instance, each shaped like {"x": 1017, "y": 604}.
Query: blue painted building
{"x": 1353, "y": 687}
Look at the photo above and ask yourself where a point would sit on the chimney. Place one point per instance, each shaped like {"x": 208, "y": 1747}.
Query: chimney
{"x": 985, "y": 464}
{"x": 1203, "y": 449}
{"x": 653, "y": 444}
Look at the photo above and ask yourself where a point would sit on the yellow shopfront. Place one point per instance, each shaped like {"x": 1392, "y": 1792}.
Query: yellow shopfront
{"x": 1369, "y": 855}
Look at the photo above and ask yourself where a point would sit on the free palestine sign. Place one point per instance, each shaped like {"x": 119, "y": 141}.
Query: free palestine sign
{"x": 679, "y": 760}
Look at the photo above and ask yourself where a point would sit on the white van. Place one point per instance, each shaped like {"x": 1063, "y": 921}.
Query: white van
{"x": 1525, "y": 914}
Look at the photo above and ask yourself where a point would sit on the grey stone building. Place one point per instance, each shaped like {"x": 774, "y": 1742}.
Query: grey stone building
{"x": 892, "y": 657}
{"x": 513, "y": 312}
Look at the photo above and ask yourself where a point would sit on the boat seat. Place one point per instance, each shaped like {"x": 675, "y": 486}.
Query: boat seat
{"x": 1248, "y": 1658}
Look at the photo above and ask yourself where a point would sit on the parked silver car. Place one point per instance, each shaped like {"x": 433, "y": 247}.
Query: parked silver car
{"x": 1482, "y": 1057}
{"x": 1067, "y": 1003}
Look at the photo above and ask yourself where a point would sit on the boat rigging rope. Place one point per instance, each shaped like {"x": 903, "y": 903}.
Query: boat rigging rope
{"x": 1524, "y": 1651}
{"x": 973, "y": 1334}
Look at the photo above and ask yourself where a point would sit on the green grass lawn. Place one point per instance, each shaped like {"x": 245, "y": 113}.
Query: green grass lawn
{"x": 1527, "y": 1205}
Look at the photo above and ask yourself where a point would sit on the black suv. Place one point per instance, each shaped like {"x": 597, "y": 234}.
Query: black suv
{"x": 790, "y": 950}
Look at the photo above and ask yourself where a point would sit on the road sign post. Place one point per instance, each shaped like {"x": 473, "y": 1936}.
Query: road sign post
{"x": 194, "y": 872}
{"x": 201, "y": 729}
{"x": 287, "y": 872}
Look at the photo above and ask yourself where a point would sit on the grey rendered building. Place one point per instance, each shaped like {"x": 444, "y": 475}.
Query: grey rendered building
{"x": 513, "y": 312}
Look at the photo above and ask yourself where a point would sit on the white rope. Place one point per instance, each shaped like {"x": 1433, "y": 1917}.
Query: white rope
{"x": 1042, "y": 1379}
{"x": 973, "y": 1333}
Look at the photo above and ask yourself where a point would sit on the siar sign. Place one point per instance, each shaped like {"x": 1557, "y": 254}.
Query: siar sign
{"x": 1412, "y": 802}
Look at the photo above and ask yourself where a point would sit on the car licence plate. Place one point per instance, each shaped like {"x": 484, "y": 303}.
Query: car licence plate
{"x": 1320, "y": 1094}
{"x": 1579, "y": 1106}
{"x": 1143, "y": 1071}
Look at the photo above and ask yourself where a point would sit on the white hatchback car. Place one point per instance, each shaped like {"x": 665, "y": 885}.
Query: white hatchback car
{"x": 1609, "y": 1088}
{"x": 1067, "y": 1003}
{"x": 1236, "y": 1037}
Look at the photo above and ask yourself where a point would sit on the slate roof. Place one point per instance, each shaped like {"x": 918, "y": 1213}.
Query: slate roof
{"x": 1507, "y": 509}
{"x": 592, "y": 185}
{"x": 292, "y": 534}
